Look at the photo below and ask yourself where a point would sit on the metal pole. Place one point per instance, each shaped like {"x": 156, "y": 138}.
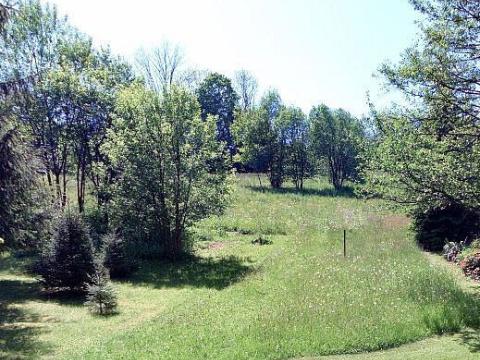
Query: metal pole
{"x": 344, "y": 243}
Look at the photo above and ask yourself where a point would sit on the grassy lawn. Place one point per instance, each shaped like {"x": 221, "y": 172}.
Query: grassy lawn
{"x": 297, "y": 297}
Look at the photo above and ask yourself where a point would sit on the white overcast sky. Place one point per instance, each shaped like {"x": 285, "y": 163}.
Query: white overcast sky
{"x": 312, "y": 51}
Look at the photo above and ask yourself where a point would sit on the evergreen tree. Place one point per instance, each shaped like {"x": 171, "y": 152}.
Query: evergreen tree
{"x": 101, "y": 296}
{"x": 68, "y": 262}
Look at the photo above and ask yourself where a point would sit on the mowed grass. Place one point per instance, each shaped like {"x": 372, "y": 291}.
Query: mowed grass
{"x": 297, "y": 297}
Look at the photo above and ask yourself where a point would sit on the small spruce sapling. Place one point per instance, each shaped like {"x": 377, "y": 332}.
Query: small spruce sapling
{"x": 101, "y": 296}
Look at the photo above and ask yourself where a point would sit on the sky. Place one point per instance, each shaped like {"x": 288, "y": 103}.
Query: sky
{"x": 311, "y": 51}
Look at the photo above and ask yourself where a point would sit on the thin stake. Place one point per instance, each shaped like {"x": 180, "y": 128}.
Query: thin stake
{"x": 344, "y": 243}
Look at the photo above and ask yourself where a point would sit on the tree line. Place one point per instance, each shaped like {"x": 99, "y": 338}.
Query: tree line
{"x": 146, "y": 149}
{"x": 142, "y": 149}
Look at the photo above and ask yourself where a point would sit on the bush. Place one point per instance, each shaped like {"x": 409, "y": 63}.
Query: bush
{"x": 97, "y": 220}
{"x": 68, "y": 261}
{"x": 158, "y": 198}
{"x": 439, "y": 225}
{"x": 101, "y": 296}
{"x": 116, "y": 257}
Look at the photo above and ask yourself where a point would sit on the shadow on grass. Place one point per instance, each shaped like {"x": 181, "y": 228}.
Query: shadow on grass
{"x": 18, "y": 328}
{"x": 346, "y": 191}
{"x": 471, "y": 339}
{"x": 14, "y": 263}
{"x": 448, "y": 308}
{"x": 192, "y": 272}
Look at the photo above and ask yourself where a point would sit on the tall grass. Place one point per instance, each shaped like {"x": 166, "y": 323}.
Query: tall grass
{"x": 303, "y": 296}
{"x": 296, "y": 297}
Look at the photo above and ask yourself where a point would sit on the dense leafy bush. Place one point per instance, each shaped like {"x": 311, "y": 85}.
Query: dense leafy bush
{"x": 101, "y": 296}
{"x": 116, "y": 257}
{"x": 439, "y": 225}
{"x": 68, "y": 261}
{"x": 97, "y": 221}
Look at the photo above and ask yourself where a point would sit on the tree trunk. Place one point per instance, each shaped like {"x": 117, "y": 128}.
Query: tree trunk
{"x": 260, "y": 181}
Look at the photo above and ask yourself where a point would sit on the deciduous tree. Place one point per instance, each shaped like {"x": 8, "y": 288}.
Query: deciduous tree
{"x": 217, "y": 97}
{"x": 335, "y": 137}
{"x": 426, "y": 152}
{"x": 173, "y": 172}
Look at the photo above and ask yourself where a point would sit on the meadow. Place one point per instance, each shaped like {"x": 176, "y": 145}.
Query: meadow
{"x": 294, "y": 296}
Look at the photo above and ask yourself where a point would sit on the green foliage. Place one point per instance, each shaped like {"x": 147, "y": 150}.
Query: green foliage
{"x": 295, "y": 126}
{"x": 217, "y": 98}
{"x": 25, "y": 212}
{"x": 173, "y": 171}
{"x": 67, "y": 95}
{"x": 68, "y": 261}
{"x": 436, "y": 226}
{"x": 116, "y": 257}
{"x": 426, "y": 153}
{"x": 262, "y": 136}
{"x": 87, "y": 83}
{"x": 101, "y": 296}
{"x": 15, "y": 176}
{"x": 335, "y": 136}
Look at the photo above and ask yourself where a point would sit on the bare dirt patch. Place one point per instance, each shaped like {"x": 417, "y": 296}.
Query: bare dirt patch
{"x": 216, "y": 245}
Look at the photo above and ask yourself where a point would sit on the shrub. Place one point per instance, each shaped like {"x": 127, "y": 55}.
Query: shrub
{"x": 116, "y": 257}
{"x": 101, "y": 296}
{"x": 439, "y": 225}
{"x": 68, "y": 261}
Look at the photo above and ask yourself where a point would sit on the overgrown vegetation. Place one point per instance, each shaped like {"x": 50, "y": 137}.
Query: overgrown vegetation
{"x": 116, "y": 257}
{"x": 425, "y": 154}
{"x": 107, "y": 168}
{"x": 173, "y": 169}
{"x": 295, "y": 297}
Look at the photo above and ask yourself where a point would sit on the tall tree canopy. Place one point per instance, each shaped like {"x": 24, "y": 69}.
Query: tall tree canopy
{"x": 67, "y": 91}
{"x": 246, "y": 87}
{"x": 426, "y": 153}
{"x": 217, "y": 97}
{"x": 296, "y": 126}
{"x": 335, "y": 137}
{"x": 171, "y": 163}
{"x": 262, "y": 136}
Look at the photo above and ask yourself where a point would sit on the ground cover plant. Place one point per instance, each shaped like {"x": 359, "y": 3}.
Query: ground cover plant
{"x": 296, "y": 297}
